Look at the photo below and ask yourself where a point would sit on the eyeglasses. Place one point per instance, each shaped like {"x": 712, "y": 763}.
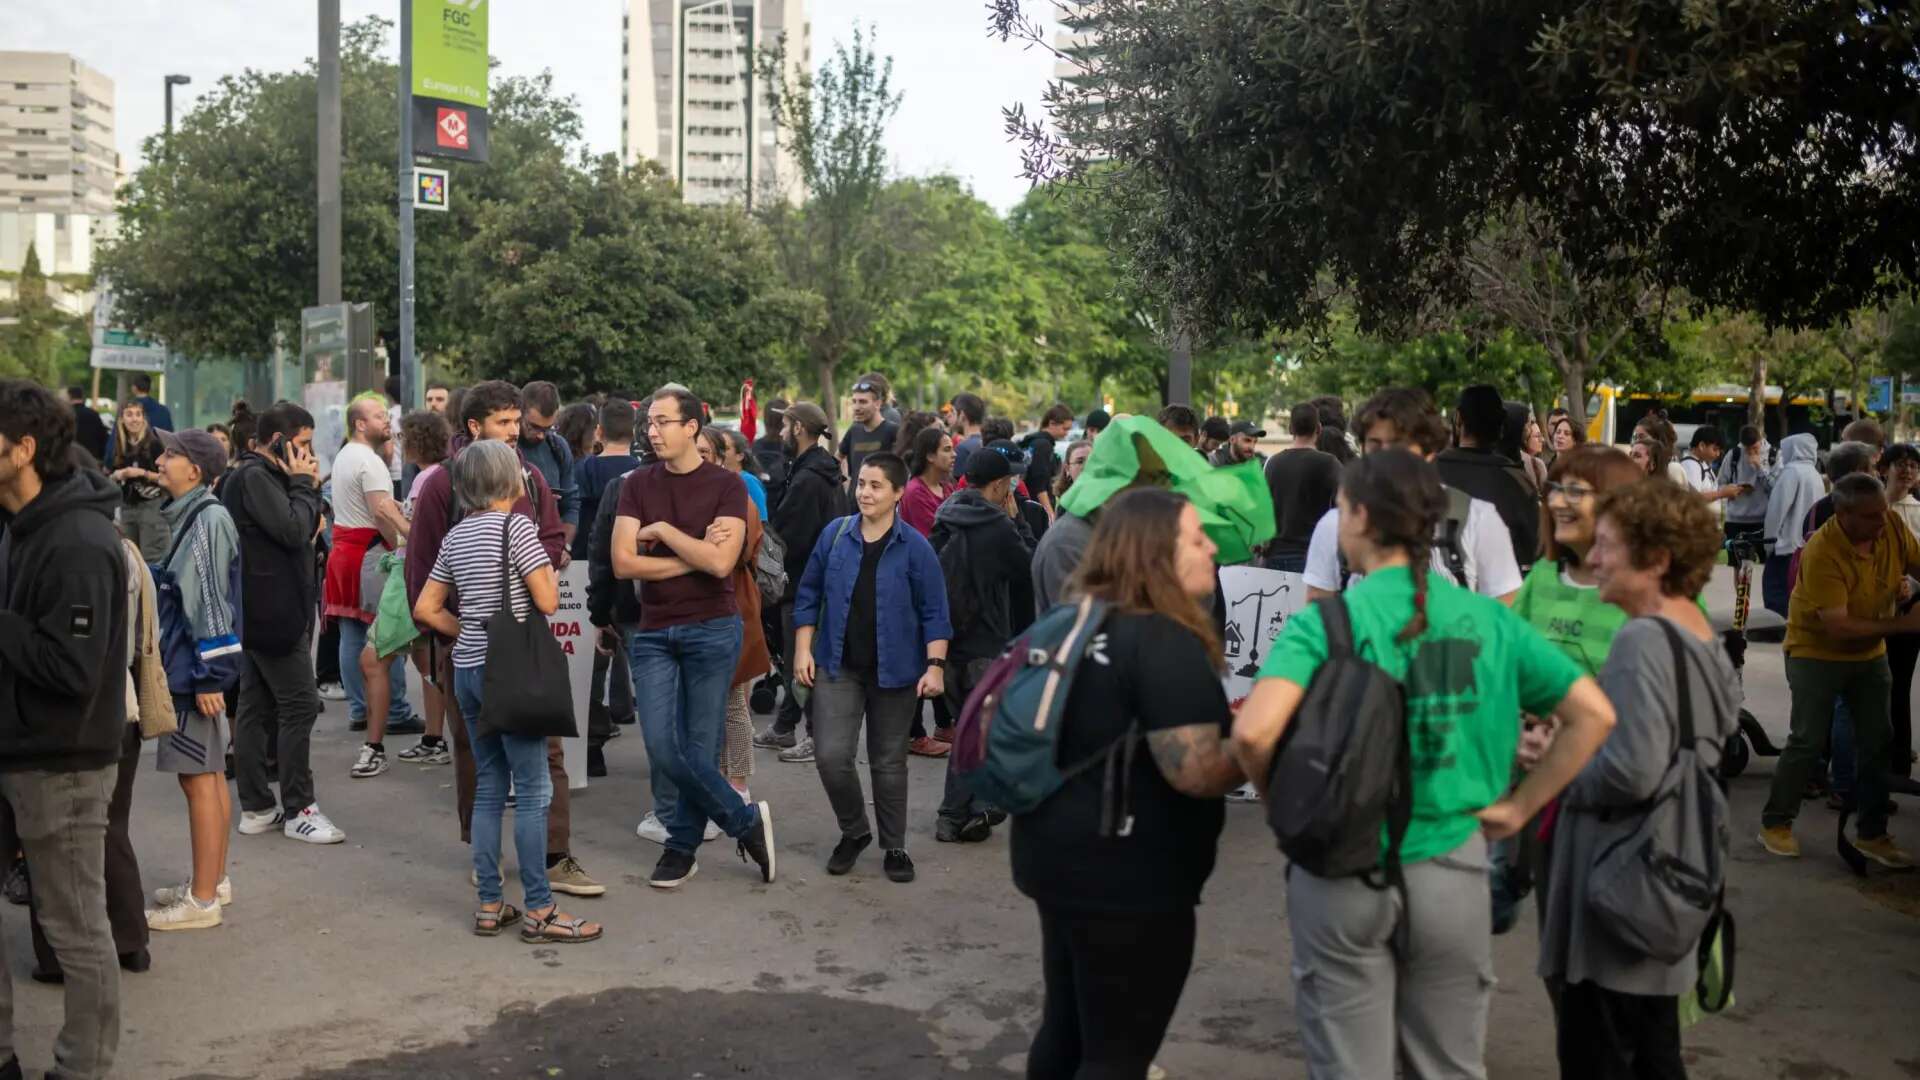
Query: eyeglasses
{"x": 657, "y": 423}
{"x": 1569, "y": 492}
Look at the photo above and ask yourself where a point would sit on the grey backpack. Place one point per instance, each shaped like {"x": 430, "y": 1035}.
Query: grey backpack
{"x": 1658, "y": 888}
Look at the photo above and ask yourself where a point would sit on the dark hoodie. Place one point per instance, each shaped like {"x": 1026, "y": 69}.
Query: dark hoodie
{"x": 276, "y": 515}
{"x": 1485, "y": 474}
{"x": 815, "y": 495}
{"x": 990, "y": 583}
{"x": 63, "y": 632}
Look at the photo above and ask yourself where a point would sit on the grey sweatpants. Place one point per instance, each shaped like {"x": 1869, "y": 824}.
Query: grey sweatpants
{"x": 1370, "y": 977}
{"x": 839, "y": 707}
{"x": 62, "y": 821}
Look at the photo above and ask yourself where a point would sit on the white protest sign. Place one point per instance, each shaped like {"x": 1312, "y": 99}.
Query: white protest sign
{"x": 569, "y": 624}
{"x": 1258, "y": 602}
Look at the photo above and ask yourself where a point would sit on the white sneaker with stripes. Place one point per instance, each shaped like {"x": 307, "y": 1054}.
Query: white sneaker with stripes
{"x": 314, "y": 827}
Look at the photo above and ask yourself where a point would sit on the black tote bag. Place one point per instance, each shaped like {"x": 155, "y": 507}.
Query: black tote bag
{"x": 526, "y": 689}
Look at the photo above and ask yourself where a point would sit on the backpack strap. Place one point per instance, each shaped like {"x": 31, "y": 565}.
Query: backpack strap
{"x": 186, "y": 528}
{"x": 1452, "y": 526}
{"x": 1337, "y": 624}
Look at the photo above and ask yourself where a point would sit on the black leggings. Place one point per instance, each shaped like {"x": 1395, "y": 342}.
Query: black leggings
{"x": 1112, "y": 984}
{"x": 1607, "y": 1035}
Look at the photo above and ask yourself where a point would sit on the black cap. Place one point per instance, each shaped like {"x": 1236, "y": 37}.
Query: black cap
{"x": 986, "y": 465}
{"x": 1245, "y": 427}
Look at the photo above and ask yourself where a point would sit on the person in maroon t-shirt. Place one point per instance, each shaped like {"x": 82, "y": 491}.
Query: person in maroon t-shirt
{"x": 678, "y": 530}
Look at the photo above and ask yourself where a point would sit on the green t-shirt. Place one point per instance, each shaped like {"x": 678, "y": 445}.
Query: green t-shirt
{"x": 1572, "y": 617}
{"x": 1467, "y": 680}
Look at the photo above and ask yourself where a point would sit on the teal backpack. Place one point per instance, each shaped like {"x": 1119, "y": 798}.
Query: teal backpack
{"x": 1006, "y": 746}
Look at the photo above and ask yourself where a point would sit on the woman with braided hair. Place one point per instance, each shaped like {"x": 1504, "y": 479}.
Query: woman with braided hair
{"x": 1384, "y": 975}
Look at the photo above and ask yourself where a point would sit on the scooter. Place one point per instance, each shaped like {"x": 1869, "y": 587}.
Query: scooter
{"x": 1751, "y": 739}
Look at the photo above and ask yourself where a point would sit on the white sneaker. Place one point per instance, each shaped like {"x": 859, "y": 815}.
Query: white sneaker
{"x": 184, "y": 914}
{"x": 168, "y": 895}
{"x": 1243, "y": 793}
{"x": 369, "y": 764}
{"x": 314, "y": 827}
{"x": 333, "y": 691}
{"x": 651, "y": 828}
{"x": 255, "y": 822}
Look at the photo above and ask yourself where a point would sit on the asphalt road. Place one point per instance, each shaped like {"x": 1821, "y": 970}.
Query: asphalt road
{"x": 356, "y": 960}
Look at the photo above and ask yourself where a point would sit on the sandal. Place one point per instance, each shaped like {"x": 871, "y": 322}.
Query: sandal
{"x": 490, "y": 923}
{"x": 556, "y": 927}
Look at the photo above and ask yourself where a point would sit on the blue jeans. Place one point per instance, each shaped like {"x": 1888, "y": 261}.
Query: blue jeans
{"x": 681, "y": 675}
{"x": 353, "y": 638}
{"x": 495, "y": 758}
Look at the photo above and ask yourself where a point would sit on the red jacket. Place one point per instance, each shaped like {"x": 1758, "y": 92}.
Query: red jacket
{"x": 433, "y": 517}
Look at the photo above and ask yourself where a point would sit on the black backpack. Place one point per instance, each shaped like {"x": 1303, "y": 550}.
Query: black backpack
{"x": 956, "y": 569}
{"x": 1344, "y": 768}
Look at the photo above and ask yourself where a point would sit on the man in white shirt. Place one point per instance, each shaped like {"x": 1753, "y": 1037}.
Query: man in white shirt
{"x": 1702, "y": 467}
{"x": 367, "y": 522}
{"x": 1406, "y": 418}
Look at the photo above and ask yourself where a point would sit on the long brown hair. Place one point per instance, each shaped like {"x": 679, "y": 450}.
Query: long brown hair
{"x": 1130, "y": 563}
{"x": 1402, "y": 496}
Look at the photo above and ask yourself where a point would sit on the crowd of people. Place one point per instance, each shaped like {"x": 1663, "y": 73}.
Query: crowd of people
{"x": 1537, "y": 602}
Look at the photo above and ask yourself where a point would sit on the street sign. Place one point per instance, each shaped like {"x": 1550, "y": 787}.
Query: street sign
{"x": 429, "y": 188}
{"x": 449, "y": 85}
{"x": 1880, "y": 395}
{"x": 118, "y": 348}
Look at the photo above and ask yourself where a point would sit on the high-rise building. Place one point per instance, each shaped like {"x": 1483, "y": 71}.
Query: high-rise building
{"x": 692, "y": 101}
{"x": 58, "y": 165}
{"x": 1077, "y": 41}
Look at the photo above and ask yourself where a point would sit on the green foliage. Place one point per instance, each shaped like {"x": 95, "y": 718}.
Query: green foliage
{"x": 38, "y": 341}
{"x": 1269, "y": 155}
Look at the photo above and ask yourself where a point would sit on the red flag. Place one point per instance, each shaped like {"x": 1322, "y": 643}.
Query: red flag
{"x": 749, "y": 420}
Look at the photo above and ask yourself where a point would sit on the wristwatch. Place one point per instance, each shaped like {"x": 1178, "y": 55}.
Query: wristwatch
{"x": 937, "y": 662}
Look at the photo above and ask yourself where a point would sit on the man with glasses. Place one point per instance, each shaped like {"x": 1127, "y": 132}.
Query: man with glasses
{"x": 679, "y": 530}
{"x": 544, "y": 449}
{"x": 870, "y": 432}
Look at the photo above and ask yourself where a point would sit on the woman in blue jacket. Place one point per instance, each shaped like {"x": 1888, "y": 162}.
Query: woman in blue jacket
{"x": 870, "y": 637}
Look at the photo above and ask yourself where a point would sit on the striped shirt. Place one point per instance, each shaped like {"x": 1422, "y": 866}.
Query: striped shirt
{"x": 469, "y": 561}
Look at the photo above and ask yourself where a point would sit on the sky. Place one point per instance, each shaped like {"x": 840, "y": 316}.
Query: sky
{"x": 954, "y": 80}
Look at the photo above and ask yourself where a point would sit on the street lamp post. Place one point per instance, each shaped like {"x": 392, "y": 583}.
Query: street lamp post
{"x": 173, "y": 81}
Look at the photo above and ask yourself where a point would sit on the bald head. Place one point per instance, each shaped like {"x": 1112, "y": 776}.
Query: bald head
{"x": 368, "y": 422}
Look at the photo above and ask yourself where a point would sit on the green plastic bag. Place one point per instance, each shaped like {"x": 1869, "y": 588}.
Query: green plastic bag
{"x": 1235, "y": 506}
{"x": 1713, "y": 980}
{"x": 393, "y": 628}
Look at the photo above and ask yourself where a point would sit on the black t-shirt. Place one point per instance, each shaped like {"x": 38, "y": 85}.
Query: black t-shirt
{"x": 859, "y": 442}
{"x": 860, "y": 650}
{"x": 1150, "y": 668}
{"x": 1303, "y": 484}
{"x": 1041, "y": 466}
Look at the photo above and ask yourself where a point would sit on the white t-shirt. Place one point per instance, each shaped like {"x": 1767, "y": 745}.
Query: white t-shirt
{"x": 1700, "y": 477}
{"x": 1484, "y": 541}
{"x": 1677, "y": 474}
{"x": 357, "y": 469}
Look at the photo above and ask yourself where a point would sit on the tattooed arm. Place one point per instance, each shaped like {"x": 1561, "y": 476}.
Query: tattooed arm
{"x": 1195, "y": 760}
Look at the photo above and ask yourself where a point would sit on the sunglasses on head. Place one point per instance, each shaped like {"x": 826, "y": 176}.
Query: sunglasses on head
{"x": 865, "y": 388}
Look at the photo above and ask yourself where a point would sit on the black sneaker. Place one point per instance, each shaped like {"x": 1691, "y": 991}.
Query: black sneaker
{"x": 995, "y": 816}
{"x": 673, "y": 870}
{"x": 17, "y": 889}
{"x": 846, "y": 853}
{"x": 412, "y": 725}
{"x": 596, "y": 761}
{"x": 757, "y": 843}
{"x": 971, "y": 831}
{"x": 775, "y": 739}
{"x": 11, "y": 1070}
{"x": 899, "y": 866}
{"x": 356, "y": 725}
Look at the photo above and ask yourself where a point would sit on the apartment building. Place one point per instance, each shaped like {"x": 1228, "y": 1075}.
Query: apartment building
{"x": 58, "y": 165}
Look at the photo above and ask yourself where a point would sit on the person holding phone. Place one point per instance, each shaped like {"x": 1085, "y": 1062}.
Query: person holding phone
{"x": 274, "y": 500}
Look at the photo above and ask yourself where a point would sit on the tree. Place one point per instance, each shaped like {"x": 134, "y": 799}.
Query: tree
{"x": 38, "y": 341}
{"x": 834, "y": 246}
{"x": 601, "y": 277}
{"x": 1262, "y": 150}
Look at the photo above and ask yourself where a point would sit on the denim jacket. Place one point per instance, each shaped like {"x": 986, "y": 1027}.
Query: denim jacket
{"x": 911, "y": 599}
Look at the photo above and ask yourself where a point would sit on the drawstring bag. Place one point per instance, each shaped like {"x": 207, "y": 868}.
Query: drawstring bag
{"x": 393, "y": 627}
{"x": 526, "y": 689}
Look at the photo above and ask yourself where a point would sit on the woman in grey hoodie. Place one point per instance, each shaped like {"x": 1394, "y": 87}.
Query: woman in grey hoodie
{"x": 201, "y": 564}
{"x": 1796, "y": 486}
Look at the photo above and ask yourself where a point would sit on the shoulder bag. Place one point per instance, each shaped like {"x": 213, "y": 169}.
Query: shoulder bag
{"x": 526, "y": 688}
